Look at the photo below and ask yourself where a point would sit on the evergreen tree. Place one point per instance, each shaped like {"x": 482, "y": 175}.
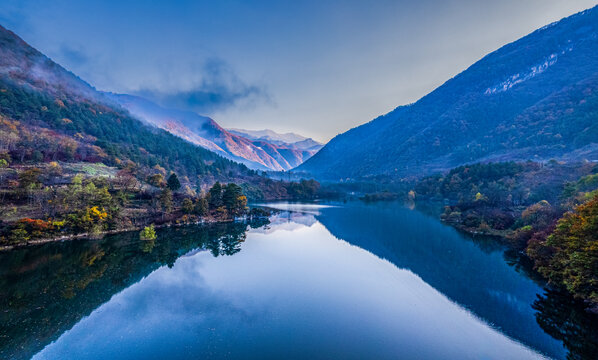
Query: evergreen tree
{"x": 166, "y": 200}
{"x": 215, "y": 198}
{"x": 201, "y": 206}
{"x": 233, "y": 199}
{"x": 187, "y": 206}
{"x": 173, "y": 182}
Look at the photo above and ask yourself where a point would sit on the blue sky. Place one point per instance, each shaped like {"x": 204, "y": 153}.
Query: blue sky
{"x": 313, "y": 67}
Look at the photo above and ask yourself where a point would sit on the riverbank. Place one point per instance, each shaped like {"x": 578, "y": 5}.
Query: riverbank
{"x": 558, "y": 243}
{"x": 71, "y": 237}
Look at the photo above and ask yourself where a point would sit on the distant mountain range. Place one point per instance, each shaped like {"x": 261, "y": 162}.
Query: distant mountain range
{"x": 260, "y": 150}
{"x": 536, "y": 98}
{"x": 289, "y": 139}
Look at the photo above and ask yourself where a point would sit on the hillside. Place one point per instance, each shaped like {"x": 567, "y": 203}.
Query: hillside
{"x": 536, "y": 98}
{"x": 259, "y": 154}
{"x": 61, "y": 117}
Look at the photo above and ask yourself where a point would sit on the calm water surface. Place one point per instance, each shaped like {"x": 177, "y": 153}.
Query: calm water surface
{"x": 347, "y": 281}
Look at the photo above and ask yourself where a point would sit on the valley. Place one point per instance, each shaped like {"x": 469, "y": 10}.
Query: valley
{"x": 194, "y": 232}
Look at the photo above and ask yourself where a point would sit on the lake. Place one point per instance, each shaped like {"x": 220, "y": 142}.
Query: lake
{"x": 337, "y": 281}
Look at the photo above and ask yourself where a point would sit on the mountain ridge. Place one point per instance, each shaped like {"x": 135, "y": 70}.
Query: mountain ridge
{"x": 42, "y": 95}
{"x": 522, "y": 101}
{"x": 255, "y": 153}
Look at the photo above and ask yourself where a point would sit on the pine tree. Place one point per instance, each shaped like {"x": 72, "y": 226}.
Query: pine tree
{"x": 215, "y": 196}
{"x": 173, "y": 182}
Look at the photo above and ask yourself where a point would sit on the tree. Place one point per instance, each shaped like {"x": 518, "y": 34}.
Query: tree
{"x": 538, "y": 215}
{"x": 233, "y": 199}
{"x": 37, "y": 156}
{"x": 30, "y": 178}
{"x": 215, "y": 196}
{"x": 480, "y": 197}
{"x": 201, "y": 206}
{"x": 166, "y": 200}
{"x": 3, "y": 164}
{"x": 173, "y": 182}
{"x": 411, "y": 195}
{"x": 187, "y": 206}
{"x": 148, "y": 233}
{"x": 92, "y": 219}
{"x": 156, "y": 180}
{"x": 569, "y": 256}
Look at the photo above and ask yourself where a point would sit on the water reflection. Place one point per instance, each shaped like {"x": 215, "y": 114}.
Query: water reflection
{"x": 49, "y": 288}
{"x": 295, "y": 293}
{"x": 565, "y": 319}
{"x": 398, "y": 284}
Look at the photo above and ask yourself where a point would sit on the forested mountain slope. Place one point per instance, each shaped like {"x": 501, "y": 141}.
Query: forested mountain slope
{"x": 536, "y": 98}
{"x": 50, "y": 114}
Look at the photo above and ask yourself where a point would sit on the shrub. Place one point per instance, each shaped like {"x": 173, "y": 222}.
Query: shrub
{"x": 148, "y": 233}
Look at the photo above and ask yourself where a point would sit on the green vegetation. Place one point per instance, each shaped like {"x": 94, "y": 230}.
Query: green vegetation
{"x": 266, "y": 189}
{"x": 48, "y": 202}
{"x": 380, "y": 196}
{"x": 148, "y": 233}
{"x": 173, "y": 182}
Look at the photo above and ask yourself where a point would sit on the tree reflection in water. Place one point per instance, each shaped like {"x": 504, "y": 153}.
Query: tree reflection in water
{"x": 47, "y": 289}
{"x": 564, "y": 318}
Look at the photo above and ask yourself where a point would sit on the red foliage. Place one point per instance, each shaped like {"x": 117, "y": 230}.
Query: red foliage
{"x": 32, "y": 225}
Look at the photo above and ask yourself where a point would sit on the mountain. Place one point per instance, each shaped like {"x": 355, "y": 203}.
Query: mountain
{"x": 47, "y": 113}
{"x": 536, "y": 98}
{"x": 263, "y": 153}
{"x": 289, "y": 139}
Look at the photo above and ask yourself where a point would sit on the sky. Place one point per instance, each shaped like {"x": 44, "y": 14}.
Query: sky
{"x": 315, "y": 67}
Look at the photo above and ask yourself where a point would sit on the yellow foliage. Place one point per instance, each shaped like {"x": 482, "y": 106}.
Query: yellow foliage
{"x": 95, "y": 213}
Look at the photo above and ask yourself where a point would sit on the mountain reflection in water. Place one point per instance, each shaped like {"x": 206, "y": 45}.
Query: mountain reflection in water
{"x": 345, "y": 281}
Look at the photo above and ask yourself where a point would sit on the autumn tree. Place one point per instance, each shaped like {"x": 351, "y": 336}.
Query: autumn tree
{"x": 156, "y": 180}
{"x": 569, "y": 256}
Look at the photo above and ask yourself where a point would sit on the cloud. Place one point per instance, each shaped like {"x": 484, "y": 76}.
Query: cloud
{"x": 218, "y": 88}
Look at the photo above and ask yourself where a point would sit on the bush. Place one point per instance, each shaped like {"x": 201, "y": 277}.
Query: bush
{"x": 148, "y": 233}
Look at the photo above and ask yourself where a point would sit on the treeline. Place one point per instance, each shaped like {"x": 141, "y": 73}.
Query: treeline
{"x": 45, "y": 202}
{"x": 538, "y": 208}
{"x": 268, "y": 189}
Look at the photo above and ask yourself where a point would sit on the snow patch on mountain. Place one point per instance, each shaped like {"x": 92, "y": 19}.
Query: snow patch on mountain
{"x": 531, "y": 73}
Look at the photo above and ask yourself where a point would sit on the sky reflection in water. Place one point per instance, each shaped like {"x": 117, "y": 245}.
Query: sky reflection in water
{"x": 294, "y": 291}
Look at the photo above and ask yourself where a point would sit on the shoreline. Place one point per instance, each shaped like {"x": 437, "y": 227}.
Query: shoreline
{"x": 73, "y": 237}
